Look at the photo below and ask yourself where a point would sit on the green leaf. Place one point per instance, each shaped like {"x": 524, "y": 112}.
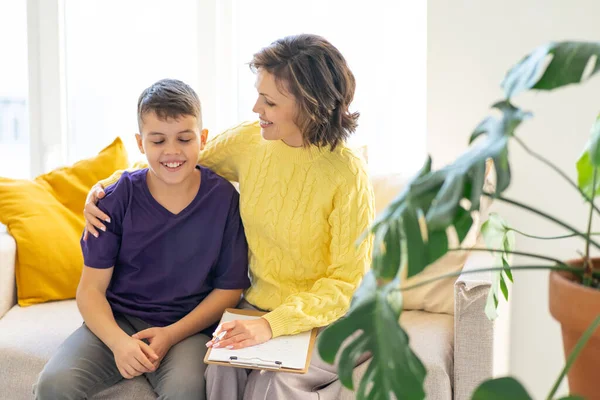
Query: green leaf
{"x": 387, "y": 257}
{"x": 507, "y": 270}
{"x": 501, "y": 163}
{"x": 415, "y": 245}
{"x": 526, "y": 73}
{"x": 504, "y": 127}
{"x": 501, "y": 389}
{"x": 393, "y": 368}
{"x": 567, "y": 66}
{"x": 498, "y": 235}
{"x": 462, "y": 223}
{"x": 437, "y": 245}
{"x": 585, "y": 173}
{"x": 587, "y": 161}
{"x": 491, "y": 304}
{"x": 504, "y": 288}
{"x": 424, "y": 253}
{"x": 476, "y": 180}
{"x": 386, "y": 254}
{"x": 572, "y": 398}
{"x": 445, "y": 205}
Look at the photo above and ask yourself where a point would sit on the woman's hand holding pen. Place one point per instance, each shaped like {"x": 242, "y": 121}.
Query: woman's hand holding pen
{"x": 241, "y": 333}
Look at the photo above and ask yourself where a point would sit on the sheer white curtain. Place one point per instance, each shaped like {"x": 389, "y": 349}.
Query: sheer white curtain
{"x": 14, "y": 129}
{"x": 108, "y": 51}
{"x": 385, "y": 44}
{"x": 115, "y": 49}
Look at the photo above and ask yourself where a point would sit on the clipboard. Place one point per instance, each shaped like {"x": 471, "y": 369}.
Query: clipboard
{"x": 235, "y": 360}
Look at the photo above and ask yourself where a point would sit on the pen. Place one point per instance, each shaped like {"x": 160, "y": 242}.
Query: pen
{"x": 218, "y": 336}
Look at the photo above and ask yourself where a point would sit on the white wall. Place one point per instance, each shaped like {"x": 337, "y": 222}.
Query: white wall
{"x": 471, "y": 44}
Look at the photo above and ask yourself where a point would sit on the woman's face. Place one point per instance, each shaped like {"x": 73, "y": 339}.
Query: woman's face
{"x": 276, "y": 110}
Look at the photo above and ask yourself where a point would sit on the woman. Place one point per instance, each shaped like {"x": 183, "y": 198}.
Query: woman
{"x": 304, "y": 198}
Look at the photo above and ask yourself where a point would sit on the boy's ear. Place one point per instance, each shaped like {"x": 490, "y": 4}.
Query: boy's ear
{"x": 203, "y": 138}
{"x": 138, "y": 138}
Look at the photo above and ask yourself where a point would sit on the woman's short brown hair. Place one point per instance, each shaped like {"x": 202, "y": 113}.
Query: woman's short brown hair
{"x": 318, "y": 77}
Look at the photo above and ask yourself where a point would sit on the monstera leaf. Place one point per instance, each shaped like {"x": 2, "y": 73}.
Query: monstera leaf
{"x": 373, "y": 318}
{"x": 389, "y": 231}
{"x": 415, "y": 224}
{"x": 507, "y": 388}
{"x": 501, "y": 389}
{"x": 567, "y": 66}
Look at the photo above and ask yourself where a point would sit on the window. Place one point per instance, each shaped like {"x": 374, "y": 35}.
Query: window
{"x": 115, "y": 49}
{"x": 91, "y": 59}
{"x": 14, "y": 130}
{"x": 384, "y": 44}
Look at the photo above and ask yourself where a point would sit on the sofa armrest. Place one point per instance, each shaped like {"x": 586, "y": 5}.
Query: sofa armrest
{"x": 473, "y": 331}
{"x": 8, "y": 251}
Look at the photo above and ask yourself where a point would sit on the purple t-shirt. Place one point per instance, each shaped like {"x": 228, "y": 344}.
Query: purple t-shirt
{"x": 165, "y": 263}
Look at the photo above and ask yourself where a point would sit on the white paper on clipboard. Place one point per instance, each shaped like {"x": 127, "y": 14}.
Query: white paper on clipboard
{"x": 283, "y": 351}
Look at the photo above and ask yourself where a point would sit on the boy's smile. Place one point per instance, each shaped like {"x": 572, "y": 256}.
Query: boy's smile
{"x": 172, "y": 166}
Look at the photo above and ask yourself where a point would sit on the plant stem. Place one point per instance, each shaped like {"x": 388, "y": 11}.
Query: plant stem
{"x": 573, "y": 356}
{"x": 557, "y": 170}
{"x": 575, "y": 270}
{"x": 587, "y": 263}
{"x": 518, "y": 253}
{"x": 548, "y": 237}
{"x": 543, "y": 214}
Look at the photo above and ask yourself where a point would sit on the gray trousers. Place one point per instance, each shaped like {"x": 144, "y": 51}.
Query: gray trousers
{"x": 84, "y": 366}
{"x": 230, "y": 383}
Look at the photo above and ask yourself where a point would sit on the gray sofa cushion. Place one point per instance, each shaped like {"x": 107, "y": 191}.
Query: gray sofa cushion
{"x": 30, "y": 335}
{"x": 28, "y": 338}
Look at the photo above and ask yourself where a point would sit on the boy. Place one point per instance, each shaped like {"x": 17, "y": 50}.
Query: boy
{"x": 153, "y": 276}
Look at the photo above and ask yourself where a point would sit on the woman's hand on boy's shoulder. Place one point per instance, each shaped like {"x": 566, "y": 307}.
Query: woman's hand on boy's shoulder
{"x": 243, "y": 333}
{"x": 92, "y": 213}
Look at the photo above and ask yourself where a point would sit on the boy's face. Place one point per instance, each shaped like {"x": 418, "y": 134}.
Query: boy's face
{"x": 171, "y": 146}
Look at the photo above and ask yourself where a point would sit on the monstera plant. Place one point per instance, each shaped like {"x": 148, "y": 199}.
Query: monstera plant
{"x": 413, "y": 232}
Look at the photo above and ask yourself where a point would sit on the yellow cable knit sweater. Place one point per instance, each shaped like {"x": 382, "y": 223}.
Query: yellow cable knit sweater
{"x": 302, "y": 211}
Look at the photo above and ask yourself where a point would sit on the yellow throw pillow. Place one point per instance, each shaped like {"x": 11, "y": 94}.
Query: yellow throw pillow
{"x": 45, "y": 216}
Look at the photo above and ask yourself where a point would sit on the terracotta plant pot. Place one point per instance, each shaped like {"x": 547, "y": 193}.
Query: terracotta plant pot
{"x": 575, "y": 306}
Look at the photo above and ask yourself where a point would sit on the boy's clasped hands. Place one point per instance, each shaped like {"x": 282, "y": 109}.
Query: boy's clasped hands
{"x": 134, "y": 357}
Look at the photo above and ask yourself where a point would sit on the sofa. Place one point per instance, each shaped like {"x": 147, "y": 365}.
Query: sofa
{"x": 456, "y": 347}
